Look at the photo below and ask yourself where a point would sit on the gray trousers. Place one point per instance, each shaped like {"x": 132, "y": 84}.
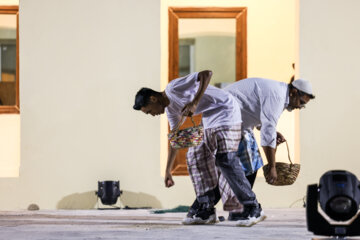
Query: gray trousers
{"x": 229, "y": 165}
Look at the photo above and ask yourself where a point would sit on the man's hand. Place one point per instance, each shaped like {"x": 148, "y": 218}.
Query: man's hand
{"x": 189, "y": 109}
{"x": 279, "y": 138}
{"x": 271, "y": 175}
{"x": 169, "y": 182}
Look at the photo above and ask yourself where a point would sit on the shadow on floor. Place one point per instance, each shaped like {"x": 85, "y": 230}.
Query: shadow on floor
{"x": 88, "y": 200}
{"x": 138, "y": 200}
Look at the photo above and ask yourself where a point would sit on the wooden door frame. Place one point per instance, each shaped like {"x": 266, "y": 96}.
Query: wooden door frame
{"x": 240, "y": 16}
{"x": 15, "y": 108}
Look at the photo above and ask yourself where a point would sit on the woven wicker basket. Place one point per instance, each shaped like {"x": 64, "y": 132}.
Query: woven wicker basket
{"x": 185, "y": 138}
{"x": 286, "y": 173}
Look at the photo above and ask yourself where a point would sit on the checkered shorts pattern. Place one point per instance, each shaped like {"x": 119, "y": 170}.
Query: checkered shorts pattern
{"x": 201, "y": 158}
{"x": 228, "y": 198}
{"x": 201, "y": 162}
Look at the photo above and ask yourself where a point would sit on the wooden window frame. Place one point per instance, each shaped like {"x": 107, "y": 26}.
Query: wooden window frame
{"x": 14, "y": 108}
{"x": 240, "y": 16}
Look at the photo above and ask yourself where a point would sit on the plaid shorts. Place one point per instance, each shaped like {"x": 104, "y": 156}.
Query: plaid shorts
{"x": 201, "y": 158}
{"x": 201, "y": 161}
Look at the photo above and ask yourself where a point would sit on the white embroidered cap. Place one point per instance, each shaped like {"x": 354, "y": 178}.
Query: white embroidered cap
{"x": 303, "y": 85}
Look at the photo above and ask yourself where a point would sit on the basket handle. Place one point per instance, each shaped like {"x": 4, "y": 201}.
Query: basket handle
{"x": 182, "y": 120}
{"x": 287, "y": 146}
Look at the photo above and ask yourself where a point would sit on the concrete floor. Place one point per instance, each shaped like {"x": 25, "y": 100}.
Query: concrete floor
{"x": 141, "y": 224}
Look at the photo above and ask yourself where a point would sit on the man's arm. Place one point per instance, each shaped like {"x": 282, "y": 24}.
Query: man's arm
{"x": 204, "y": 79}
{"x": 169, "y": 182}
{"x": 271, "y": 109}
{"x": 270, "y": 156}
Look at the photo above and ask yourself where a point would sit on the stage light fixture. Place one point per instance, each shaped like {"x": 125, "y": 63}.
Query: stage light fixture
{"x": 108, "y": 192}
{"x": 338, "y": 195}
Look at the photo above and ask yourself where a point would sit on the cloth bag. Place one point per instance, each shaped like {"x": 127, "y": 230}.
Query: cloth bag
{"x": 187, "y": 137}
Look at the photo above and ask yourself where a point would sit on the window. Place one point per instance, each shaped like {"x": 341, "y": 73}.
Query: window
{"x": 9, "y": 59}
{"x": 186, "y": 56}
{"x": 183, "y": 46}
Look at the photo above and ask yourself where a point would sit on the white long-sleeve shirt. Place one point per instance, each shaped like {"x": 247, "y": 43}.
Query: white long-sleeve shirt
{"x": 261, "y": 102}
{"x": 218, "y": 108}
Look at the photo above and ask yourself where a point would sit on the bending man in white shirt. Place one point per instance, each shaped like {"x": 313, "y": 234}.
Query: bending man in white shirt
{"x": 261, "y": 102}
{"x": 221, "y": 119}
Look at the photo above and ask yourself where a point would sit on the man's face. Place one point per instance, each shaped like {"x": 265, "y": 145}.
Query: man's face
{"x": 153, "y": 107}
{"x": 297, "y": 100}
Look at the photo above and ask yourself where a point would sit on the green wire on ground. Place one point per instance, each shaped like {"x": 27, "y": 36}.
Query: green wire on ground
{"x": 179, "y": 208}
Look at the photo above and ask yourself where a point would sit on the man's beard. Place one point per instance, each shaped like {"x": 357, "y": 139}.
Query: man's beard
{"x": 289, "y": 108}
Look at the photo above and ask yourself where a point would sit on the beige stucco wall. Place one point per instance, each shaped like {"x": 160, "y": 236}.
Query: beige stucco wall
{"x": 76, "y": 96}
{"x": 79, "y": 74}
{"x": 9, "y": 2}
{"x": 81, "y": 65}
{"x": 9, "y": 145}
{"x": 329, "y": 56}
